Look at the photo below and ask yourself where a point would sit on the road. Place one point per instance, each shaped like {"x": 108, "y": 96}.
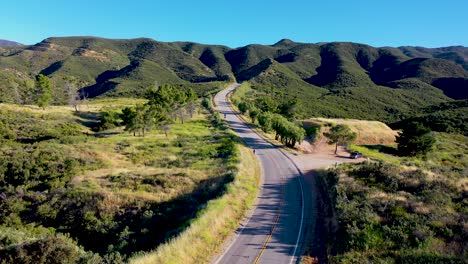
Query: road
{"x": 275, "y": 231}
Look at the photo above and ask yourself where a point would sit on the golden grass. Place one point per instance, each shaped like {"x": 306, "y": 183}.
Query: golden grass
{"x": 369, "y": 132}
{"x": 206, "y": 234}
{"x": 92, "y": 105}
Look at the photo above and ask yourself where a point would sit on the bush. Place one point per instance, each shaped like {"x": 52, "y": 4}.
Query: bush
{"x": 55, "y": 249}
{"x": 108, "y": 120}
{"x": 243, "y": 107}
{"x": 206, "y": 102}
{"x": 39, "y": 167}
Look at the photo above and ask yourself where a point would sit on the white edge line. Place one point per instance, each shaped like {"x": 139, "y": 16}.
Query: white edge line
{"x": 302, "y": 213}
{"x": 302, "y": 209}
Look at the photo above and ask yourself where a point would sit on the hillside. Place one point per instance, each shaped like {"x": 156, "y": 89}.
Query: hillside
{"x": 8, "y": 43}
{"x": 447, "y": 117}
{"x": 368, "y": 132}
{"x": 340, "y": 79}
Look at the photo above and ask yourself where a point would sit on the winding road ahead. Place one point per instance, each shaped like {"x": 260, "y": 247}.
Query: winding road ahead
{"x": 275, "y": 232}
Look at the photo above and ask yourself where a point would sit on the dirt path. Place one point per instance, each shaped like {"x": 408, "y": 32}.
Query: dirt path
{"x": 318, "y": 156}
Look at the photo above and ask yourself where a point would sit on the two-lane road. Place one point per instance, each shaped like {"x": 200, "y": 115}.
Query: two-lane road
{"x": 275, "y": 231}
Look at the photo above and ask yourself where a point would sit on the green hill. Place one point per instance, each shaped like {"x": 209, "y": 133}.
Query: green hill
{"x": 339, "y": 79}
{"x": 449, "y": 117}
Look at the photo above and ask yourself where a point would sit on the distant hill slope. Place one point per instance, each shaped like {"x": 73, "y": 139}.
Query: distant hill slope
{"x": 339, "y": 71}
{"x": 449, "y": 117}
{"x": 8, "y": 43}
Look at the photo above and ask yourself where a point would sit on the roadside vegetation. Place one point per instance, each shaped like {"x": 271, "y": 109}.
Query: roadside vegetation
{"x": 206, "y": 234}
{"x": 270, "y": 117}
{"x": 76, "y": 187}
{"x": 399, "y": 209}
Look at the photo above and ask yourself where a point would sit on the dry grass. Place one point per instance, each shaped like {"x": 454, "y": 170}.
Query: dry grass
{"x": 369, "y": 132}
{"x": 92, "y": 105}
{"x": 206, "y": 234}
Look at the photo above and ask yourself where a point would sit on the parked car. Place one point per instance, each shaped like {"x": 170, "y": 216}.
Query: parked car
{"x": 355, "y": 155}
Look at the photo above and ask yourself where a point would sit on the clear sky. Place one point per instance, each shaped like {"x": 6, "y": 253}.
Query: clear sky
{"x": 429, "y": 23}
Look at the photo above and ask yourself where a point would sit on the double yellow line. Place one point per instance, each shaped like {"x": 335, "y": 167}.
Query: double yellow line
{"x": 283, "y": 189}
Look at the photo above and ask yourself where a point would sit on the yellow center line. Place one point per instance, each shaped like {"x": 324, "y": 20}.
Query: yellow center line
{"x": 278, "y": 214}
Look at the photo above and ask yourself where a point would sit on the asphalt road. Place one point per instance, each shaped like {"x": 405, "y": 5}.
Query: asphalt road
{"x": 275, "y": 231}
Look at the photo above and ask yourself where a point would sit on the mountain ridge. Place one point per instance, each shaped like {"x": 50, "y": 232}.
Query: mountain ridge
{"x": 125, "y": 67}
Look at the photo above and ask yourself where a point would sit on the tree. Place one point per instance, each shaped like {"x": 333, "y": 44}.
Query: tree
{"x": 180, "y": 113}
{"x": 286, "y": 132}
{"x": 165, "y": 128}
{"x": 267, "y": 104}
{"x": 415, "y": 139}
{"x": 253, "y": 113}
{"x": 192, "y": 108}
{"x": 340, "y": 135}
{"x": 265, "y": 120}
{"x": 289, "y": 109}
{"x": 44, "y": 92}
{"x": 128, "y": 117}
{"x": 142, "y": 118}
{"x": 74, "y": 97}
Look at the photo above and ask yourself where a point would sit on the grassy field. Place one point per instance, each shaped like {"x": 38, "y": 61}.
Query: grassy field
{"x": 113, "y": 193}
{"x": 368, "y": 132}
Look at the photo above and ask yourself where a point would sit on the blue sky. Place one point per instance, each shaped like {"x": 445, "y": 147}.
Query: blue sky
{"x": 430, "y": 23}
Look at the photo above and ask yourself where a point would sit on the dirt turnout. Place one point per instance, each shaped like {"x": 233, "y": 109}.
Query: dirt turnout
{"x": 321, "y": 219}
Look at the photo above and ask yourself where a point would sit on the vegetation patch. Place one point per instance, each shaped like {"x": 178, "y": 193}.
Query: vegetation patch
{"x": 400, "y": 210}
{"x": 199, "y": 242}
{"x": 367, "y": 132}
{"x": 103, "y": 196}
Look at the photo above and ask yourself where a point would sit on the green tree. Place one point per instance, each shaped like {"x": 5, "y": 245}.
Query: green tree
{"x": 5, "y": 132}
{"x": 415, "y": 139}
{"x": 340, "y": 135}
{"x": 286, "y": 131}
{"x": 128, "y": 117}
{"x": 253, "y": 113}
{"x": 108, "y": 120}
{"x": 243, "y": 107}
{"x": 44, "y": 92}
{"x": 289, "y": 109}
{"x": 267, "y": 104}
{"x": 265, "y": 120}
{"x": 142, "y": 118}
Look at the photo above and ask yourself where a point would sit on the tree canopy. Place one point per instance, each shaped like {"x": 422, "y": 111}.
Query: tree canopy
{"x": 339, "y": 135}
{"x": 163, "y": 102}
{"x": 44, "y": 93}
{"x": 415, "y": 139}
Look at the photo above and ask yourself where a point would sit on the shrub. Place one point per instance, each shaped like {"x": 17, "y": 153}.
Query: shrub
{"x": 108, "y": 120}
{"x": 54, "y": 249}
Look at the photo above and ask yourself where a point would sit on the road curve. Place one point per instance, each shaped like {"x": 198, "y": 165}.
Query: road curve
{"x": 275, "y": 232}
